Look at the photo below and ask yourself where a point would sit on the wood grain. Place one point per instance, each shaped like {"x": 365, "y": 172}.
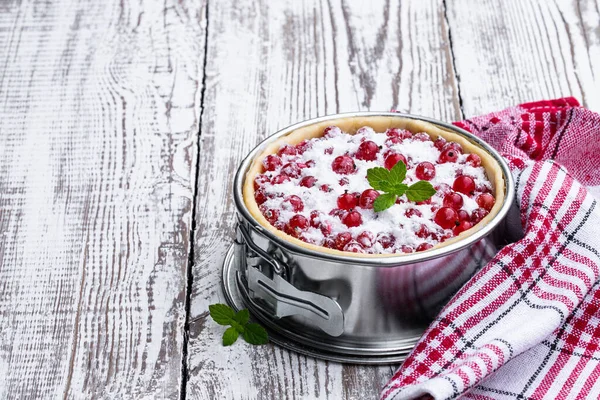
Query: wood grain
{"x": 99, "y": 107}
{"x": 517, "y": 51}
{"x": 270, "y": 64}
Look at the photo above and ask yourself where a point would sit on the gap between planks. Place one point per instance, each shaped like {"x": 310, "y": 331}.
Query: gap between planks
{"x": 453, "y": 58}
{"x": 189, "y": 272}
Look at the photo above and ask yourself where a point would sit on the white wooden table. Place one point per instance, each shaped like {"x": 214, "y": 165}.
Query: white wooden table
{"x": 122, "y": 123}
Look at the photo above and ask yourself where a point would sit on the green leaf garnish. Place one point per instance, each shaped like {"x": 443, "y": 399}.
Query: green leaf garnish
{"x": 398, "y": 173}
{"x": 238, "y": 323}
{"x": 255, "y": 334}
{"x": 398, "y": 189}
{"x": 230, "y": 336}
{"x": 222, "y": 314}
{"x": 390, "y": 182}
{"x": 242, "y": 316}
{"x": 420, "y": 191}
{"x": 378, "y": 176}
{"x": 384, "y": 201}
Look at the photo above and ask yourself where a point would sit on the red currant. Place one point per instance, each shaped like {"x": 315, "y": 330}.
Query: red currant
{"x": 260, "y": 196}
{"x": 352, "y": 219}
{"x": 299, "y": 221}
{"x": 347, "y": 201}
{"x": 422, "y": 137}
{"x": 290, "y": 230}
{"x": 486, "y": 201}
{"x": 271, "y": 162}
{"x": 474, "y": 160}
{"x": 412, "y": 212}
{"x": 326, "y": 228}
{"x": 303, "y": 146}
{"x": 293, "y": 203}
{"x": 315, "y": 218}
{"x": 337, "y": 212}
{"x": 423, "y": 232}
{"x": 293, "y": 170}
{"x": 392, "y": 159}
{"x": 325, "y": 188}
{"x": 448, "y": 155}
{"x": 464, "y": 184}
{"x": 454, "y": 146}
{"x": 353, "y": 247}
{"x": 280, "y": 225}
{"x": 424, "y": 246}
{"x": 366, "y": 239}
{"x": 329, "y": 243}
{"x": 453, "y": 200}
{"x": 344, "y": 181}
{"x": 406, "y": 249}
{"x": 389, "y": 142}
{"x": 386, "y": 241}
{"x": 478, "y": 214}
{"x": 398, "y": 133}
{"x": 331, "y": 131}
{"x": 260, "y": 180}
{"x": 446, "y": 217}
{"x": 271, "y": 215}
{"x": 425, "y": 171}
{"x": 308, "y": 181}
{"x": 367, "y": 198}
{"x": 367, "y": 151}
{"x": 463, "y": 215}
{"x": 461, "y": 227}
{"x": 279, "y": 179}
{"x": 306, "y": 239}
{"x": 483, "y": 188}
{"x": 287, "y": 150}
{"x": 439, "y": 143}
{"x": 328, "y": 150}
{"x": 342, "y": 239}
{"x": 343, "y": 165}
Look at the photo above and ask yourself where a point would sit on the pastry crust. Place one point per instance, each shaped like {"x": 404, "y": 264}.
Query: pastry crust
{"x": 379, "y": 124}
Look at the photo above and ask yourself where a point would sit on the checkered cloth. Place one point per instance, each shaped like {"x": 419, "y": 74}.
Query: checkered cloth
{"x": 527, "y": 325}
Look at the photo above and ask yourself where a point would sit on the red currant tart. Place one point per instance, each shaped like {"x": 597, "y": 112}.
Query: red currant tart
{"x": 359, "y": 189}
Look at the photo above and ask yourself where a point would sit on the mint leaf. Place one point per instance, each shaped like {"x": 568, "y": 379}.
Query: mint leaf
{"x": 376, "y": 176}
{"x": 420, "y": 191}
{"x": 238, "y": 321}
{"x": 230, "y": 336}
{"x": 398, "y": 189}
{"x": 384, "y": 201}
{"x": 398, "y": 173}
{"x": 222, "y": 314}
{"x": 242, "y": 317}
{"x": 255, "y": 334}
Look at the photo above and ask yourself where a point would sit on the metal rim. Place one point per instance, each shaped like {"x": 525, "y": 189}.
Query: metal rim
{"x": 236, "y": 299}
{"x": 375, "y": 261}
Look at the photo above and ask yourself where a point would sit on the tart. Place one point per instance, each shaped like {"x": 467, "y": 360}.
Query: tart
{"x": 310, "y": 187}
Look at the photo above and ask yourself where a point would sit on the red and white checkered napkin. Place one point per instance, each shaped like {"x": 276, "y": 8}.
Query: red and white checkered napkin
{"x": 527, "y": 325}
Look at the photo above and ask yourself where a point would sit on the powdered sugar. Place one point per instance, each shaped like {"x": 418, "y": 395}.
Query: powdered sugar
{"x": 409, "y": 232}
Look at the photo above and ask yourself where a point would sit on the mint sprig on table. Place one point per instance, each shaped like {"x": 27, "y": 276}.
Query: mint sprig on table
{"x": 391, "y": 183}
{"x": 238, "y": 324}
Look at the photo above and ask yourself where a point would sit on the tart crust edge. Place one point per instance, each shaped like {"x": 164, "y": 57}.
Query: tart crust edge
{"x": 380, "y": 124}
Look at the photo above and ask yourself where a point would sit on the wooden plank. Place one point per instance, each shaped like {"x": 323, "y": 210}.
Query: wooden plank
{"x": 99, "y": 106}
{"x": 516, "y": 51}
{"x": 270, "y": 64}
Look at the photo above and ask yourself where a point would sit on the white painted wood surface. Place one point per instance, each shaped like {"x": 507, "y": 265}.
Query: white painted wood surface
{"x": 98, "y": 129}
{"x": 100, "y": 107}
{"x": 510, "y": 52}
